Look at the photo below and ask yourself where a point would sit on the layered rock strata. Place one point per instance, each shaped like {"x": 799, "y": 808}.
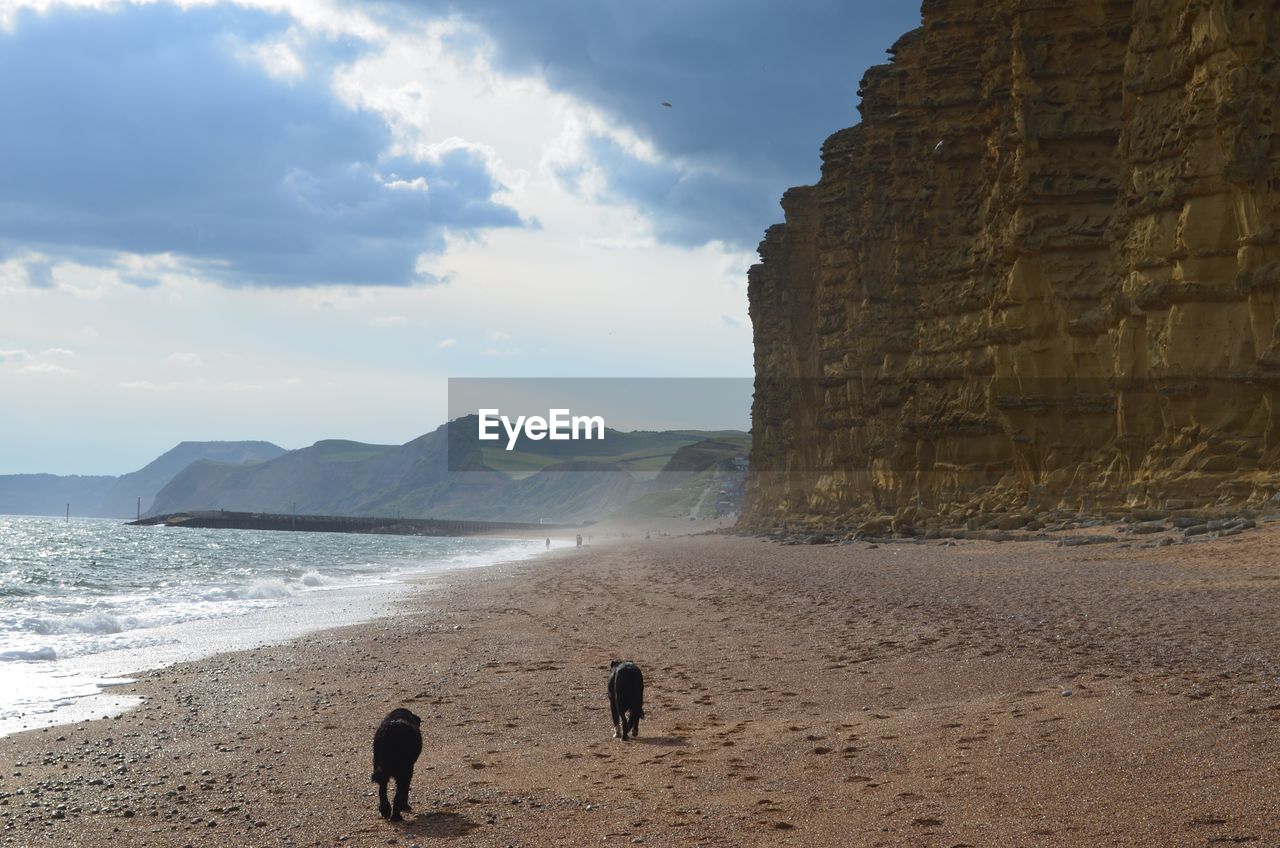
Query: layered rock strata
{"x": 1042, "y": 272}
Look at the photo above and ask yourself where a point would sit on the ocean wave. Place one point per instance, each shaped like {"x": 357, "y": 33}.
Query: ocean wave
{"x": 263, "y": 590}
{"x": 94, "y": 623}
{"x": 38, "y": 655}
{"x": 313, "y": 578}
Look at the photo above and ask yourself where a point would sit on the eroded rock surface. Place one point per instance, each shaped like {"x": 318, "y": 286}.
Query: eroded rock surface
{"x": 1040, "y": 273}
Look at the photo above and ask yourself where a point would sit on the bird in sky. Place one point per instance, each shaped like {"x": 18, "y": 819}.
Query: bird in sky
{"x": 665, "y": 103}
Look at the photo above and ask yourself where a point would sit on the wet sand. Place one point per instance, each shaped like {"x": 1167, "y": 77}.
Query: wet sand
{"x": 978, "y": 694}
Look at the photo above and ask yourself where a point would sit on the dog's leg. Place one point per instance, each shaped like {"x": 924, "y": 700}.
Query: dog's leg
{"x": 613, "y": 711}
{"x": 408, "y": 778}
{"x": 401, "y": 801}
{"x": 384, "y": 806}
{"x": 635, "y": 722}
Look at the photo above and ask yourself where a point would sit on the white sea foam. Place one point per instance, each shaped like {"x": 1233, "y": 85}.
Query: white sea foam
{"x": 264, "y": 590}
{"x": 36, "y": 655}
{"x": 86, "y": 603}
{"x": 95, "y": 622}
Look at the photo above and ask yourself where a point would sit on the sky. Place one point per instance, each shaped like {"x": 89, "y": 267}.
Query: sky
{"x": 295, "y": 220}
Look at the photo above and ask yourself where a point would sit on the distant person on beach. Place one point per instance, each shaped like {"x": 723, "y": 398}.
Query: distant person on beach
{"x": 579, "y": 540}
{"x": 548, "y": 543}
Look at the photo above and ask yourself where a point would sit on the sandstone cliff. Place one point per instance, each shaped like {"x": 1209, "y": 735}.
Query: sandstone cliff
{"x": 1042, "y": 271}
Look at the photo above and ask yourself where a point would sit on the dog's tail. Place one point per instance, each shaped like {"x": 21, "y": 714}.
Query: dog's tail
{"x": 640, "y": 711}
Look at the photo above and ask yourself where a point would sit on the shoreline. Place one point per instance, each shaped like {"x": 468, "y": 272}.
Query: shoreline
{"x": 909, "y": 695}
{"x": 93, "y": 685}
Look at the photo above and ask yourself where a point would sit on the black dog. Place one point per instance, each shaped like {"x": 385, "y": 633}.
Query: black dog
{"x": 626, "y": 696}
{"x": 396, "y": 747}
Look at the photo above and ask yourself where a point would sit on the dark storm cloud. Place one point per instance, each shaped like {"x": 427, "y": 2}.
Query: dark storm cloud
{"x": 147, "y": 131}
{"x": 689, "y": 208}
{"x": 755, "y": 87}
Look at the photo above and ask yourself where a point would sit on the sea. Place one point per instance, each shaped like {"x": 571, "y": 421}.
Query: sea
{"x": 86, "y": 603}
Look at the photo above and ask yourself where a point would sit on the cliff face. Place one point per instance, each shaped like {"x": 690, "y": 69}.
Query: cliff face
{"x": 1042, "y": 271}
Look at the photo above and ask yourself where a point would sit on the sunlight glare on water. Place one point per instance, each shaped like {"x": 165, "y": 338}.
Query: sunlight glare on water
{"x": 87, "y": 602}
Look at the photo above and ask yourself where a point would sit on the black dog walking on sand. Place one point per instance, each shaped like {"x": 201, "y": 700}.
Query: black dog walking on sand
{"x": 626, "y": 697}
{"x": 396, "y": 746}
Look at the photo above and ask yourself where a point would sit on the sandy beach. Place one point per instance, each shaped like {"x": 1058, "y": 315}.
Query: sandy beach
{"x": 972, "y": 694}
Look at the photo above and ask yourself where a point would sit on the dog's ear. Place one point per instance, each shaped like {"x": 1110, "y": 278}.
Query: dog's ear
{"x": 614, "y": 664}
{"x": 417, "y": 722}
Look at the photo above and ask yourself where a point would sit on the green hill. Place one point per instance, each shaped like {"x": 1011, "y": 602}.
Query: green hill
{"x": 449, "y": 473}
{"x": 121, "y": 501}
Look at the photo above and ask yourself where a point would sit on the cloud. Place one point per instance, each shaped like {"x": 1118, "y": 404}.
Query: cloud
{"x": 146, "y": 386}
{"x": 47, "y": 368}
{"x": 26, "y": 362}
{"x": 39, "y": 273}
{"x": 193, "y": 385}
{"x": 688, "y": 206}
{"x": 279, "y": 59}
{"x": 153, "y": 130}
{"x": 142, "y": 281}
{"x": 445, "y": 344}
{"x": 754, "y": 88}
{"x": 183, "y": 358}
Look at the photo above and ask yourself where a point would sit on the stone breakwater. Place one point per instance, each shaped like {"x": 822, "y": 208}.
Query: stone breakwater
{"x": 1041, "y": 273}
